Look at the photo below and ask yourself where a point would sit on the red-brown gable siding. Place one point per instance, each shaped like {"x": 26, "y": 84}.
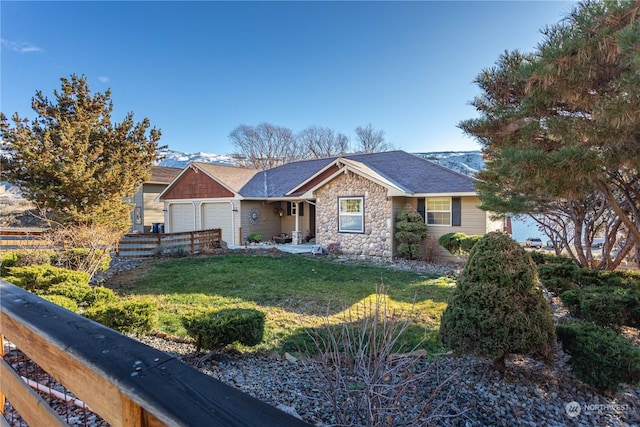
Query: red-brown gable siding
{"x": 324, "y": 175}
{"x": 196, "y": 185}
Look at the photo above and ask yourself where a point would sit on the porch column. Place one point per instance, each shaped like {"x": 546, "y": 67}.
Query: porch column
{"x": 296, "y": 235}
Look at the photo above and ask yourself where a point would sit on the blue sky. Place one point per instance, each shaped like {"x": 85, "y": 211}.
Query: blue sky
{"x": 198, "y": 70}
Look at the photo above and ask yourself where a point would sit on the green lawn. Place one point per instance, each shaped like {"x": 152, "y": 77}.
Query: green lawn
{"x": 297, "y": 293}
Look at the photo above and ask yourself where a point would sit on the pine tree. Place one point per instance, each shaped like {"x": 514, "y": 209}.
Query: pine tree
{"x": 73, "y": 162}
{"x": 564, "y": 121}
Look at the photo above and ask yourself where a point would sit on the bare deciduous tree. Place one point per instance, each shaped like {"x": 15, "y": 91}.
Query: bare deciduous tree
{"x": 371, "y": 140}
{"x": 321, "y": 142}
{"x": 264, "y": 146}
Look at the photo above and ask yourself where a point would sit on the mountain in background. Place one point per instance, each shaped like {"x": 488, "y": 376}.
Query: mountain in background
{"x": 178, "y": 159}
{"x": 466, "y": 162}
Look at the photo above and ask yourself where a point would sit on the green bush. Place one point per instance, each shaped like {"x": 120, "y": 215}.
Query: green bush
{"x": 604, "y": 305}
{"x": 540, "y": 257}
{"x": 38, "y": 278}
{"x": 412, "y": 231}
{"x": 23, "y": 258}
{"x": 72, "y": 290}
{"x": 558, "y": 277}
{"x": 599, "y": 356}
{"x": 497, "y": 307}
{"x": 62, "y": 301}
{"x": 99, "y": 295}
{"x": 459, "y": 243}
{"x": 254, "y": 238}
{"x": 126, "y": 315}
{"x": 620, "y": 278}
{"x": 216, "y": 329}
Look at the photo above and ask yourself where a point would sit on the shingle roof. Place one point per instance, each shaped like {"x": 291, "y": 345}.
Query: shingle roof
{"x": 416, "y": 175}
{"x": 408, "y": 172}
{"x": 278, "y": 181}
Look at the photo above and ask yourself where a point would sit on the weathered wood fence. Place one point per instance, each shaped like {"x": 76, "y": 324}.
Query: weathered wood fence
{"x": 11, "y": 240}
{"x": 146, "y": 245}
{"x": 131, "y": 245}
{"x": 125, "y": 382}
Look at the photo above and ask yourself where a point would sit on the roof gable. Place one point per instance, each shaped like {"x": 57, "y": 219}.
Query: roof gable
{"x": 207, "y": 180}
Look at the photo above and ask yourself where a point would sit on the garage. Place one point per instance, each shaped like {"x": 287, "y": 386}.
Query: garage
{"x": 218, "y": 215}
{"x": 182, "y": 218}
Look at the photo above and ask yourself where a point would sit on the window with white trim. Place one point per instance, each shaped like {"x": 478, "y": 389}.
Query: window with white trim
{"x": 351, "y": 214}
{"x": 438, "y": 211}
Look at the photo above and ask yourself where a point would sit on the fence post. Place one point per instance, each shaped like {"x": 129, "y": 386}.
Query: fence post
{"x": 193, "y": 246}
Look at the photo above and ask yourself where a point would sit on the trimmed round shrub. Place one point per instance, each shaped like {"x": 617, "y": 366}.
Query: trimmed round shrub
{"x": 134, "y": 316}
{"x": 214, "y": 330}
{"x": 62, "y": 301}
{"x": 599, "y": 356}
{"x": 497, "y": 307}
{"x": 459, "y": 243}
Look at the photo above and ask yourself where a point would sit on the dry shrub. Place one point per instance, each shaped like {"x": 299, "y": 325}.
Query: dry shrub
{"x": 430, "y": 250}
{"x": 367, "y": 371}
{"x": 82, "y": 247}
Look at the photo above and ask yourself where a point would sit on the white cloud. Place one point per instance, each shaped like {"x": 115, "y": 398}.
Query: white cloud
{"x": 103, "y": 79}
{"x": 21, "y": 47}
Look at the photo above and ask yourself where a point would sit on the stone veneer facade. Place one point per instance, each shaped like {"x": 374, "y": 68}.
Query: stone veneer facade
{"x": 377, "y": 239}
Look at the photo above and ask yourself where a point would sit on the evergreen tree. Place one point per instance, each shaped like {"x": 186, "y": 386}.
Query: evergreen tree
{"x": 73, "y": 162}
{"x": 497, "y": 307}
{"x": 564, "y": 121}
{"x": 411, "y": 233}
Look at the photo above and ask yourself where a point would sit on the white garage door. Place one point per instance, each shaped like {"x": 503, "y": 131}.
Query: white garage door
{"x": 181, "y": 217}
{"x": 218, "y": 215}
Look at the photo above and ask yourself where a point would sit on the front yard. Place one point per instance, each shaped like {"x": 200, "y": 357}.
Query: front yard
{"x": 296, "y": 293}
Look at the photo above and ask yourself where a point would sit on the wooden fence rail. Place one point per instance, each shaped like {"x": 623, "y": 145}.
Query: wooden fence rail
{"x": 124, "y": 381}
{"x": 146, "y": 245}
{"x": 131, "y": 245}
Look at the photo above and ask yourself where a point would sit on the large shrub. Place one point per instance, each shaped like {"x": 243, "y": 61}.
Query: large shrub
{"x": 497, "y": 308}
{"x": 216, "y": 329}
{"x": 126, "y": 315}
{"x": 599, "y": 356}
{"x": 412, "y": 231}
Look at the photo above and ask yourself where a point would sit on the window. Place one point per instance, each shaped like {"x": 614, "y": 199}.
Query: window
{"x": 292, "y": 206}
{"x": 439, "y": 211}
{"x": 351, "y": 214}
